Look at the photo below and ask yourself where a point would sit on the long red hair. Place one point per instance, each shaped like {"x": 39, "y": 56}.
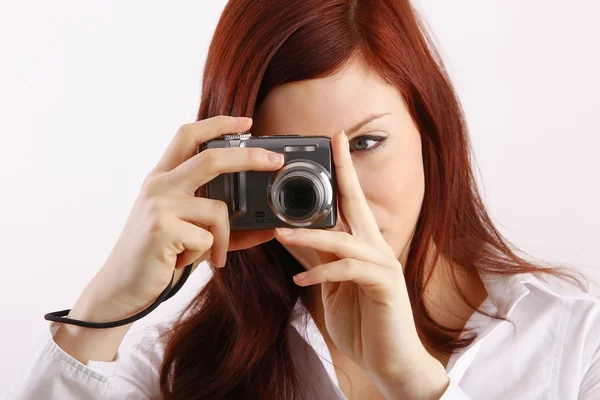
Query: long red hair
{"x": 231, "y": 342}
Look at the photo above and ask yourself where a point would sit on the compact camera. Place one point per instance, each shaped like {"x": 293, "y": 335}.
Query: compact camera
{"x": 302, "y": 193}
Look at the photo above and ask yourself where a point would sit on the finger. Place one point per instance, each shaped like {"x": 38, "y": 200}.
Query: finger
{"x": 206, "y": 165}
{"x": 240, "y": 240}
{"x": 374, "y": 279}
{"x": 190, "y": 136}
{"x": 191, "y": 257}
{"x": 179, "y": 269}
{"x": 352, "y": 199}
{"x": 210, "y": 214}
{"x": 342, "y": 244}
{"x": 189, "y": 242}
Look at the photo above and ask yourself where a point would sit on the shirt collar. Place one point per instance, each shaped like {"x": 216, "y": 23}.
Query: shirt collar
{"x": 303, "y": 322}
{"x": 504, "y": 294}
{"x": 506, "y": 291}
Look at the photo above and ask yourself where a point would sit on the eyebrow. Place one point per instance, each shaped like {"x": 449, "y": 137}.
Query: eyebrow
{"x": 365, "y": 121}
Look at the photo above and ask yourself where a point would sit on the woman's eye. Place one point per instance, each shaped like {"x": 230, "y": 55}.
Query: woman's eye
{"x": 365, "y": 143}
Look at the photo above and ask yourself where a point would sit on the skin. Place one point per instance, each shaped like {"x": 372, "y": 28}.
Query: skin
{"x": 167, "y": 228}
{"x": 358, "y": 296}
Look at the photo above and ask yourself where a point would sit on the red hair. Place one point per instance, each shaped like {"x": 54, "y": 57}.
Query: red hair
{"x": 231, "y": 341}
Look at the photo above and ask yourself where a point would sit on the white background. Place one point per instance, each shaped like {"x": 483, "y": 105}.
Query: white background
{"x": 92, "y": 92}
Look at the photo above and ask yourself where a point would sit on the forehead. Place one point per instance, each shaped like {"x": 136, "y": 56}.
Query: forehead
{"x": 324, "y": 105}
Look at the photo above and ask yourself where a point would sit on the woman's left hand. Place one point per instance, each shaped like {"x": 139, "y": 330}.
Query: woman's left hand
{"x": 367, "y": 309}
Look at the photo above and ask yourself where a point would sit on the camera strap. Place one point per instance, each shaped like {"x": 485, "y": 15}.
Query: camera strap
{"x": 61, "y": 316}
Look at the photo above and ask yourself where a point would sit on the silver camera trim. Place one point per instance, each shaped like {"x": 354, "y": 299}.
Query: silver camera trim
{"x": 321, "y": 181}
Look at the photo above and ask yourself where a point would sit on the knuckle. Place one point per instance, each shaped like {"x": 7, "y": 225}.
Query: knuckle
{"x": 185, "y": 130}
{"x": 352, "y": 267}
{"x": 220, "y": 208}
{"x": 148, "y": 179}
{"x": 208, "y": 239}
{"x": 203, "y": 240}
{"x": 158, "y": 225}
{"x": 178, "y": 246}
{"x": 324, "y": 271}
{"x": 156, "y": 206}
{"x": 147, "y": 186}
{"x": 151, "y": 185}
{"x": 156, "y": 216}
{"x": 207, "y": 157}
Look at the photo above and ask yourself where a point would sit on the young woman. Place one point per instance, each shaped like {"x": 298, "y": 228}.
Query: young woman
{"x": 412, "y": 295}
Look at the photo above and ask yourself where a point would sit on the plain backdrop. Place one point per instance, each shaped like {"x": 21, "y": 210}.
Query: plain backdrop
{"x": 92, "y": 92}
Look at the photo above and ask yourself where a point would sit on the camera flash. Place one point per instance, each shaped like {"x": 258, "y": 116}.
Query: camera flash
{"x": 292, "y": 149}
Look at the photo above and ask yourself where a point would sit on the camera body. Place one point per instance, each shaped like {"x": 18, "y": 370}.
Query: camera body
{"x": 301, "y": 194}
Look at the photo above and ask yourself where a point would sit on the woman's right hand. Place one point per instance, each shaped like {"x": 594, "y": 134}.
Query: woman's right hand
{"x": 169, "y": 227}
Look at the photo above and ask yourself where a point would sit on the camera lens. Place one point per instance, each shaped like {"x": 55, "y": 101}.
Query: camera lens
{"x": 297, "y": 197}
{"x": 300, "y": 193}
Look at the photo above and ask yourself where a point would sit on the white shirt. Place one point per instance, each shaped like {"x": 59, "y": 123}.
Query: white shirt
{"x": 553, "y": 353}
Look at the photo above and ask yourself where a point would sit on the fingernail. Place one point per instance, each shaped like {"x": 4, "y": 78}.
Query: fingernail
{"x": 275, "y": 158}
{"x": 284, "y": 231}
{"x": 301, "y": 276}
{"x": 243, "y": 119}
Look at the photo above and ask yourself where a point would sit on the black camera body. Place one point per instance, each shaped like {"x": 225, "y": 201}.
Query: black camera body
{"x": 301, "y": 194}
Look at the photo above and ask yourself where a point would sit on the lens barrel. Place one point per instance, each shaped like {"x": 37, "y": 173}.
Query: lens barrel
{"x": 300, "y": 193}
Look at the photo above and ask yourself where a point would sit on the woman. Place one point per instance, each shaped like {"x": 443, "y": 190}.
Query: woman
{"x": 412, "y": 295}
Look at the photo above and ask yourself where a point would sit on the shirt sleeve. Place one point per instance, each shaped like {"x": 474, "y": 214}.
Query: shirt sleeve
{"x": 590, "y": 385}
{"x": 589, "y": 388}
{"x": 133, "y": 374}
{"x": 589, "y": 335}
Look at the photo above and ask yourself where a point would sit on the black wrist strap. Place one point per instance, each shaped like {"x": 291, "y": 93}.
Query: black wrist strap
{"x": 61, "y": 316}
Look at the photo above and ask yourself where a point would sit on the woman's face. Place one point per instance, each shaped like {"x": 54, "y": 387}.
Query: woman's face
{"x": 384, "y": 141}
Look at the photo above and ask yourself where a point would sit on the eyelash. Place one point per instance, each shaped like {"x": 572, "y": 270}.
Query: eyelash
{"x": 379, "y": 139}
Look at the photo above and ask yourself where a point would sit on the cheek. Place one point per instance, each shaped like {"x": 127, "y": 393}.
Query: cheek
{"x": 395, "y": 196}
{"x": 394, "y": 186}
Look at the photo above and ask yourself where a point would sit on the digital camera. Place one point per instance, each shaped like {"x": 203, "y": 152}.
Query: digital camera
{"x": 302, "y": 193}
